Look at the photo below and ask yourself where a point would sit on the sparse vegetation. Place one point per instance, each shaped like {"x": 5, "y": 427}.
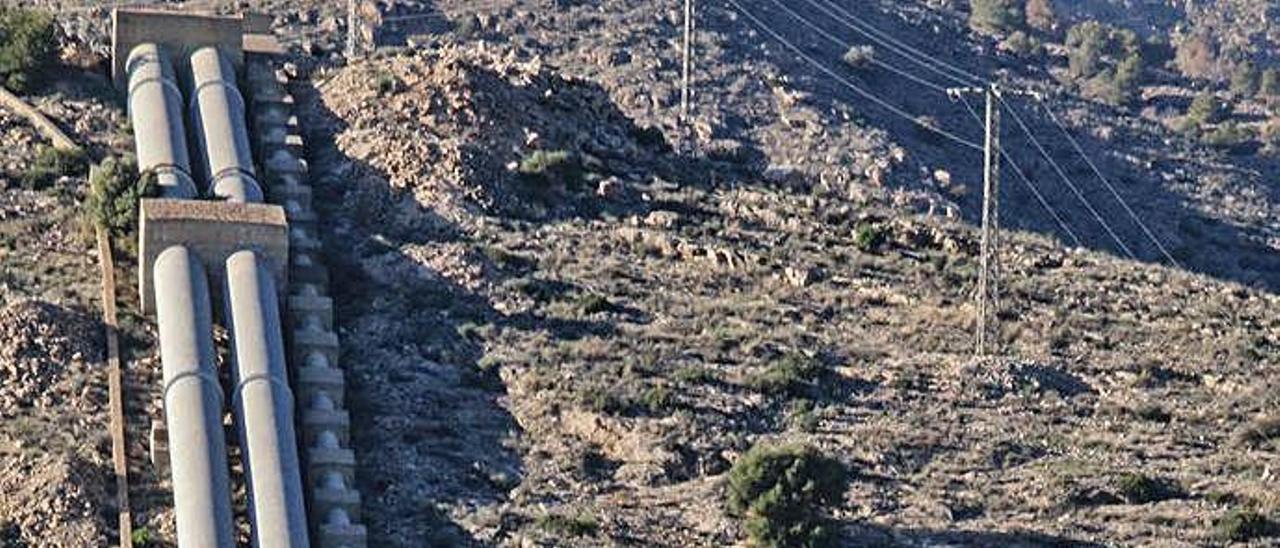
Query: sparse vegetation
{"x": 1020, "y": 43}
{"x": 1142, "y": 489}
{"x": 1040, "y": 15}
{"x": 141, "y": 538}
{"x": 1259, "y": 432}
{"x": 545, "y": 169}
{"x": 1243, "y": 525}
{"x": 1105, "y": 61}
{"x": 995, "y": 16}
{"x": 1244, "y": 79}
{"x": 1206, "y": 108}
{"x": 27, "y": 45}
{"x": 1228, "y": 135}
{"x": 868, "y": 237}
{"x": 783, "y": 493}
{"x": 563, "y": 525}
{"x": 794, "y": 374}
{"x": 1196, "y": 57}
{"x": 50, "y": 164}
{"x": 1269, "y": 84}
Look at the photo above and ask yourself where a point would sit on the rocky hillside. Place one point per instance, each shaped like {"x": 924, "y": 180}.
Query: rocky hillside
{"x": 567, "y": 315}
{"x": 574, "y": 352}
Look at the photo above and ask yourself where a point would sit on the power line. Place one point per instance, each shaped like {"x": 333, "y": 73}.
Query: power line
{"x": 844, "y": 44}
{"x": 1062, "y": 174}
{"x": 886, "y": 40}
{"x": 864, "y": 93}
{"x": 1022, "y": 176}
{"x": 1107, "y": 183}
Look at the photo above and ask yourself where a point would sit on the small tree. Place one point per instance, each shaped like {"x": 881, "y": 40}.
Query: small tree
{"x": 1105, "y": 61}
{"x": 27, "y": 44}
{"x": 1086, "y": 43}
{"x": 1205, "y": 109}
{"x": 994, "y": 16}
{"x": 1196, "y": 57}
{"x": 1040, "y": 15}
{"x": 1244, "y": 79}
{"x": 115, "y": 191}
{"x": 1269, "y": 84}
{"x": 783, "y": 492}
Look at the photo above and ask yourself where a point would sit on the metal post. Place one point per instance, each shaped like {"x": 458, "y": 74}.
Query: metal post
{"x": 263, "y": 404}
{"x": 192, "y": 402}
{"x": 988, "y": 277}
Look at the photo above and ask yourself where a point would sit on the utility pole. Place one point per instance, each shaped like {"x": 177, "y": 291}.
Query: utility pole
{"x": 989, "y": 277}
{"x": 353, "y": 29}
{"x": 989, "y": 263}
{"x": 688, "y": 59}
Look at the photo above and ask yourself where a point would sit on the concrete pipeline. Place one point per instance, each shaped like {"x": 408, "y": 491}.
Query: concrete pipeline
{"x": 218, "y": 120}
{"x": 192, "y": 402}
{"x": 155, "y": 112}
{"x": 263, "y": 404}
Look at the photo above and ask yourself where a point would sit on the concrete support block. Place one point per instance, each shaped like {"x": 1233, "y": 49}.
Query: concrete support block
{"x": 304, "y": 307}
{"x": 326, "y": 380}
{"x": 305, "y": 269}
{"x": 305, "y": 343}
{"x": 283, "y": 192}
{"x": 331, "y": 460}
{"x": 316, "y": 422}
{"x": 328, "y": 496}
{"x": 348, "y": 535}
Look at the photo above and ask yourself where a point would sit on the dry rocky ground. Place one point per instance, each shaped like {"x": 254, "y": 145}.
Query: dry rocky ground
{"x": 536, "y": 363}
{"x": 603, "y": 351}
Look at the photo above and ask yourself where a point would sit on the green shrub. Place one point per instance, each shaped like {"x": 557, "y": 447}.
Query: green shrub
{"x": 783, "y": 493}
{"x": 993, "y": 16}
{"x": 1242, "y": 525}
{"x": 581, "y": 525}
{"x": 794, "y": 374}
{"x": 140, "y": 538}
{"x": 1269, "y": 84}
{"x": 27, "y": 45}
{"x": 115, "y": 191}
{"x": 1105, "y": 61}
{"x": 1205, "y": 109}
{"x": 1040, "y": 15}
{"x": 51, "y": 163}
{"x": 1244, "y": 79}
{"x": 1140, "y": 489}
{"x": 1228, "y": 135}
{"x": 1020, "y": 43}
{"x": 868, "y": 237}
{"x": 594, "y": 303}
{"x": 545, "y": 169}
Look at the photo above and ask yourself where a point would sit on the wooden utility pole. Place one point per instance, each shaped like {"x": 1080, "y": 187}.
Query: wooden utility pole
{"x": 688, "y": 59}
{"x": 353, "y": 29}
{"x": 989, "y": 276}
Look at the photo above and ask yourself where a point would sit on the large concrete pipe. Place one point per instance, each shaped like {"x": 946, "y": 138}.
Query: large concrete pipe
{"x": 263, "y": 404}
{"x": 218, "y": 122}
{"x": 155, "y": 112}
{"x": 192, "y": 402}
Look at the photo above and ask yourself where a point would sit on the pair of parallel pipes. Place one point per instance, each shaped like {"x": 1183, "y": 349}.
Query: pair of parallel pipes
{"x": 193, "y": 398}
